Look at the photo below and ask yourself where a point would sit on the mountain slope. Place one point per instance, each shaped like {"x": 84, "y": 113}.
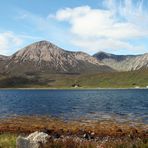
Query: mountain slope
{"x": 3, "y": 58}
{"x": 123, "y": 62}
{"x": 44, "y": 56}
{"x": 3, "y": 61}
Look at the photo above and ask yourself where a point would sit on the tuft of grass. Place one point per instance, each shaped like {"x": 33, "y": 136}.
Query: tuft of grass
{"x": 8, "y": 141}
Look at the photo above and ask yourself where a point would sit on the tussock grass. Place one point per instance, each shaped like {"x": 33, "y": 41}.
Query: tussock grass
{"x": 8, "y": 141}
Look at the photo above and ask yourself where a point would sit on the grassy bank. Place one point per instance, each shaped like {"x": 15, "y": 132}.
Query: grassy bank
{"x": 70, "y": 134}
{"x": 101, "y": 80}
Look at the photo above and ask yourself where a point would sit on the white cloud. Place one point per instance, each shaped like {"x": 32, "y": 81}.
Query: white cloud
{"x": 103, "y": 44}
{"x": 114, "y": 25}
{"x": 8, "y": 41}
{"x": 98, "y": 23}
{"x": 111, "y": 27}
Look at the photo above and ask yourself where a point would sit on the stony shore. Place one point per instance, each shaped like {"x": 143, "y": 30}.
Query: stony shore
{"x": 79, "y": 132}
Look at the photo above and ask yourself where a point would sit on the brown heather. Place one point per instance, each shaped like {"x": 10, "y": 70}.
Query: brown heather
{"x": 74, "y": 134}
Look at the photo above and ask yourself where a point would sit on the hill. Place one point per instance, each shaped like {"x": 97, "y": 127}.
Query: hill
{"x": 123, "y": 62}
{"x": 45, "y": 56}
{"x": 130, "y": 79}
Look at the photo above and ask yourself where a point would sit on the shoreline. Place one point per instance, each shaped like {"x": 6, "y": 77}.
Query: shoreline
{"x": 46, "y": 88}
{"x": 20, "y": 123}
{"x": 61, "y": 133}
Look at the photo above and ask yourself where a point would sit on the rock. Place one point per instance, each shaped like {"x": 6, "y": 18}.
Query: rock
{"x": 34, "y": 140}
{"x": 87, "y": 136}
{"x": 47, "y": 131}
{"x": 92, "y": 135}
{"x": 22, "y": 142}
{"x": 56, "y": 135}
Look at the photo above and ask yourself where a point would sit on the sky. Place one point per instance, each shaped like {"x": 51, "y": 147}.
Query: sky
{"x": 115, "y": 26}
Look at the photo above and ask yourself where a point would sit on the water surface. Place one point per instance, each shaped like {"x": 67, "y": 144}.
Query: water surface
{"x": 74, "y": 104}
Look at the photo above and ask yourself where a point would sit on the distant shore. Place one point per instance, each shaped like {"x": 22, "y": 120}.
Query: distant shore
{"x": 70, "y": 88}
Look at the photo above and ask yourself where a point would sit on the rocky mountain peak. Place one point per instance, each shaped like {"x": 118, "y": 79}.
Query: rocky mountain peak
{"x": 45, "y": 56}
{"x": 39, "y": 51}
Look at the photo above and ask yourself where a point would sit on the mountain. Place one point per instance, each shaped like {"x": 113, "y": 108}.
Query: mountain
{"x": 44, "y": 56}
{"x": 3, "y": 60}
{"x": 43, "y": 64}
{"x": 123, "y": 62}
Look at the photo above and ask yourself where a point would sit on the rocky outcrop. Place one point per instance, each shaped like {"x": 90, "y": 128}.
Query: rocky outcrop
{"x": 34, "y": 140}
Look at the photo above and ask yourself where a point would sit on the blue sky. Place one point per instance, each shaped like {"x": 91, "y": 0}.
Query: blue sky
{"x": 117, "y": 26}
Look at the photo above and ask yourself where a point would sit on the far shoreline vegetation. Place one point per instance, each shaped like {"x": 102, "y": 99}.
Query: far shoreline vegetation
{"x": 114, "y": 80}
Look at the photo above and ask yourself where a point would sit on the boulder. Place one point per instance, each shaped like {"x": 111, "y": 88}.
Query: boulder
{"x": 34, "y": 140}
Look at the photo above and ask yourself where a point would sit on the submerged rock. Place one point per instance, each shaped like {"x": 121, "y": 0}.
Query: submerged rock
{"x": 34, "y": 140}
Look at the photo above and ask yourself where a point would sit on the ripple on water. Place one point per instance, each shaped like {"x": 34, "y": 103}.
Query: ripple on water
{"x": 121, "y": 105}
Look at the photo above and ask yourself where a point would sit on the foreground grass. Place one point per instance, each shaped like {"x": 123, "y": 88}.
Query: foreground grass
{"x": 8, "y": 141}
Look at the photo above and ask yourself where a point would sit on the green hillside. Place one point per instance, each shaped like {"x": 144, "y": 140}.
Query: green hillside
{"x": 100, "y": 80}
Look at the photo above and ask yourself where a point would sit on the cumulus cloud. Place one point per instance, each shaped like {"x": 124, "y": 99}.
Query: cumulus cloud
{"x": 9, "y": 40}
{"x": 96, "y": 22}
{"x": 115, "y": 25}
{"x": 110, "y": 44}
{"x": 108, "y": 27}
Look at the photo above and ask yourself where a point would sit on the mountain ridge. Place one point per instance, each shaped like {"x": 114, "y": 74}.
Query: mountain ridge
{"x": 43, "y": 64}
{"x": 45, "y": 56}
{"x": 123, "y": 62}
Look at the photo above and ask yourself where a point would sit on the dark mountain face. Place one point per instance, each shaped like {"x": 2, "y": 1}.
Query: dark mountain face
{"x": 103, "y": 55}
{"x": 44, "y": 56}
{"x": 123, "y": 62}
{"x": 3, "y": 61}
